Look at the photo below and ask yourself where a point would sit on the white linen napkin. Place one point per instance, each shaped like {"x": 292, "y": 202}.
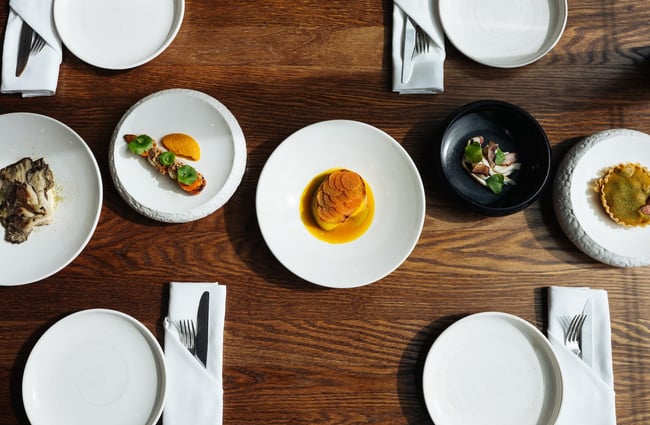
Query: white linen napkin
{"x": 428, "y": 67}
{"x": 42, "y": 73}
{"x": 194, "y": 393}
{"x": 588, "y": 397}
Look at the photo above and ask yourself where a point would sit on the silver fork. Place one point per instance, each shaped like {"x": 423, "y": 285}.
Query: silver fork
{"x": 187, "y": 332}
{"x": 421, "y": 42}
{"x": 573, "y": 332}
{"x": 37, "y": 44}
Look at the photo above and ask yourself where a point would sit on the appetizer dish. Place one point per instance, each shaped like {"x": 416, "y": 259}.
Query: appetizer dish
{"x": 27, "y": 198}
{"x": 488, "y": 164}
{"x": 337, "y": 206}
{"x": 166, "y": 163}
{"x": 625, "y": 194}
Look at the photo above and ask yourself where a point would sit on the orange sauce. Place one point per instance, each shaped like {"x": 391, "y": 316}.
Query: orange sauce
{"x": 354, "y": 227}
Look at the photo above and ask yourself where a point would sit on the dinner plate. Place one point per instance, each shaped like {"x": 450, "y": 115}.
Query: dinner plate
{"x": 504, "y": 33}
{"x": 393, "y": 179}
{"x": 98, "y": 367}
{"x": 78, "y": 191}
{"x": 222, "y": 162}
{"x": 492, "y": 368}
{"x": 578, "y": 207}
{"x": 117, "y": 34}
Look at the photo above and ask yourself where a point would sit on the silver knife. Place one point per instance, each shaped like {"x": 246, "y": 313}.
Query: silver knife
{"x": 202, "y": 328}
{"x": 409, "y": 48}
{"x": 24, "y": 47}
{"x": 587, "y": 335}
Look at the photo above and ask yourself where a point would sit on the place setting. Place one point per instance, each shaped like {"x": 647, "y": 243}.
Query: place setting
{"x": 104, "y": 366}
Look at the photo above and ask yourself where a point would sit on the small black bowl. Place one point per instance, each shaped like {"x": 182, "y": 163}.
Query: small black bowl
{"x": 515, "y": 130}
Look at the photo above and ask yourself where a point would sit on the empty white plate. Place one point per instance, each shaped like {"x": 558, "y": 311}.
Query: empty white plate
{"x": 98, "y": 367}
{"x": 117, "y": 34}
{"x": 504, "y": 33}
{"x": 492, "y": 368}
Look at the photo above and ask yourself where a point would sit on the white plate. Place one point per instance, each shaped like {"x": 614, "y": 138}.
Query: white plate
{"x": 79, "y": 196}
{"x": 117, "y": 34}
{"x": 492, "y": 368}
{"x": 99, "y": 367}
{"x": 392, "y": 177}
{"x": 578, "y": 207}
{"x": 504, "y": 33}
{"x": 223, "y": 155}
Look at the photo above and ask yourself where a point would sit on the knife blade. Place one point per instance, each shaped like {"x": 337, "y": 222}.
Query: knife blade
{"x": 587, "y": 334}
{"x": 409, "y": 48}
{"x": 202, "y": 328}
{"x": 24, "y": 47}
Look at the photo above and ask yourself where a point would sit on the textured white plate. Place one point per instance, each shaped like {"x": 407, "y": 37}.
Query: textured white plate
{"x": 578, "y": 206}
{"x": 98, "y": 367}
{"x": 492, "y": 368}
{"x": 392, "y": 177}
{"x": 79, "y": 194}
{"x": 117, "y": 34}
{"x": 504, "y": 33}
{"x": 223, "y": 155}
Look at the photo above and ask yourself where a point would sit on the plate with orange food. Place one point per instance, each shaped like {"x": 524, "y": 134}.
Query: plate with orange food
{"x": 602, "y": 196}
{"x": 177, "y": 155}
{"x": 340, "y": 203}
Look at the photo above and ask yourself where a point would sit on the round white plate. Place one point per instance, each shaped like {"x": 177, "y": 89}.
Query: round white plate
{"x": 578, "y": 207}
{"x": 223, "y": 155}
{"x": 504, "y": 33}
{"x": 392, "y": 177}
{"x": 492, "y": 368}
{"x": 78, "y": 192}
{"x": 117, "y": 34}
{"x": 98, "y": 367}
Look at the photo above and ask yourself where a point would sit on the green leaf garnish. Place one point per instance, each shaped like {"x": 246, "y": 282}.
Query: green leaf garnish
{"x": 499, "y": 156}
{"x": 473, "y": 152}
{"x": 495, "y": 183}
{"x": 141, "y": 144}
{"x": 186, "y": 174}
{"x": 167, "y": 158}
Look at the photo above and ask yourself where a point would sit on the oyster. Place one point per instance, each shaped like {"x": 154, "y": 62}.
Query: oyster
{"x": 26, "y": 198}
{"x": 625, "y": 194}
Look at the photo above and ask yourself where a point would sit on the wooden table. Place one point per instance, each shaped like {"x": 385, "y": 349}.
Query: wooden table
{"x": 297, "y": 353}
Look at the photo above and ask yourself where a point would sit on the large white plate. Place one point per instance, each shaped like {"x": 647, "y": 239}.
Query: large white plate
{"x": 492, "y": 368}
{"x": 504, "y": 33}
{"x": 392, "y": 177}
{"x": 118, "y": 34}
{"x": 79, "y": 194}
{"x": 578, "y": 207}
{"x": 223, "y": 155}
{"x": 98, "y": 367}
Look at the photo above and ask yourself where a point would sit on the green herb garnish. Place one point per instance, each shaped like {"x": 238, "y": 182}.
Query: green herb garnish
{"x": 167, "y": 158}
{"x": 141, "y": 144}
{"x": 473, "y": 152}
{"x": 495, "y": 183}
{"x": 499, "y": 156}
{"x": 186, "y": 174}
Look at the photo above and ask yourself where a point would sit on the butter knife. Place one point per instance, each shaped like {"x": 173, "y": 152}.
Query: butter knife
{"x": 587, "y": 335}
{"x": 409, "y": 48}
{"x": 202, "y": 328}
{"x": 24, "y": 47}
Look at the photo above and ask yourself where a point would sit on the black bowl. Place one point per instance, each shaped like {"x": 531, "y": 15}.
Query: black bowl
{"x": 515, "y": 130}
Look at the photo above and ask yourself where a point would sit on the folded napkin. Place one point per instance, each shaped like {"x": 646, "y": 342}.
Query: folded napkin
{"x": 42, "y": 73}
{"x": 588, "y": 382}
{"x": 194, "y": 393}
{"x": 427, "y": 71}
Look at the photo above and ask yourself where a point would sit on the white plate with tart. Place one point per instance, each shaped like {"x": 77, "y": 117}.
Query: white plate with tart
{"x": 578, "y": 205}
{"x": 77, "y": 196}
{"x": 348, "y": 256}
{"x": 221, "y": 159}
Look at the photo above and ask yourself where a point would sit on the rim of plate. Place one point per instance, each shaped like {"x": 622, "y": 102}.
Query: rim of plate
{"x": 38, "y": 355}
{"x": 77, "y": 20}
{"x": 452, "y": 338}
{"x": 305, "y": 256}
{"x": 73, "y": 140}
{"x": 237, "y": 164}
{"x": 499, "y": 33}
{"x": 588, "y": 234}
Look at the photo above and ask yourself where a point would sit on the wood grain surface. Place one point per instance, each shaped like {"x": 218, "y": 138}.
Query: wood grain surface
{"x": 296, "y": 353}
